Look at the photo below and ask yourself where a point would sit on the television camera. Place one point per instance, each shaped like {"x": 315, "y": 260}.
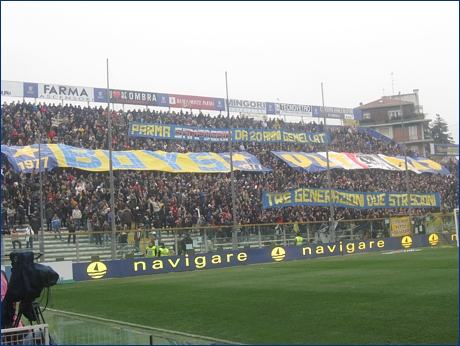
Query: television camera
{"x": 27, "y": 281}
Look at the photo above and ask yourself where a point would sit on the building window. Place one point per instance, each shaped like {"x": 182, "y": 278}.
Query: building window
{"x": 394, "y": 114}
{"x": 413, "y": 136}
{"x": 366, "y": 116}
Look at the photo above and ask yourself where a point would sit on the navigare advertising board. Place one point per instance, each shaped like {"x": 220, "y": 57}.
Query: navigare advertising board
{"x": 158, "y": 265}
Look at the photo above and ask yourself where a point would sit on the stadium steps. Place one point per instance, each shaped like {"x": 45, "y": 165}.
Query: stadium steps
{"x": 444, "y": 240}
{"x": 59, "y": 250}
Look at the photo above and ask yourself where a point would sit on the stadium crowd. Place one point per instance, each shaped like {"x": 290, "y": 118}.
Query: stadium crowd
{"x": 163, "y": 200}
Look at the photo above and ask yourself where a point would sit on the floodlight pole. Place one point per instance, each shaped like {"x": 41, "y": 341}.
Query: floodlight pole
{"x": 42, "y": 236}
{"x": 112, "y": 198}
{"x": 232, "y": 175}
{"x": 405, "y": 165}
{"x": 331, "y": 205}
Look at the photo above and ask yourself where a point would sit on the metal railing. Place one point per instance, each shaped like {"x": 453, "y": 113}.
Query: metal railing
{"x": 217, "y": 238}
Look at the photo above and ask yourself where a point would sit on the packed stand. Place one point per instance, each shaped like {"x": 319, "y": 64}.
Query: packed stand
{"x": 169, "y": 200}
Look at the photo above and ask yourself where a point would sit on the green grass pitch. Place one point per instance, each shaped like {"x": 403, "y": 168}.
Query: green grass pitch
{"x": 373, "y": 298}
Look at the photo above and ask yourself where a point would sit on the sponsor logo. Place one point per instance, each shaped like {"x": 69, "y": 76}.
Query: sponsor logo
{"x": 134, "y": 97}
{"x": 198, "y": 262}
{"x": 96, "y": 270}
{"x": 6, "y": 93}
{"x": 339, "y": 248}
{"x": 63, "y": 92}
{"x": 433, "y": 239}
{"x": 292, "y": 108}
{"x": 406, "y": 242}
{"x": 278, "y": 254}
{"x": 185, "y": 103}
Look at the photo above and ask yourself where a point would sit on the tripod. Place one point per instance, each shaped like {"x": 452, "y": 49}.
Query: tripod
{"x": 32, "y": 311}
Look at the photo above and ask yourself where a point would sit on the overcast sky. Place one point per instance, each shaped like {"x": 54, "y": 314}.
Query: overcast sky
{"x": 271, "y": 50}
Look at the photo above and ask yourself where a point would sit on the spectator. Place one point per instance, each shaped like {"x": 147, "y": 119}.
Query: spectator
{"x": 5, "y": 228}
{"x": 29, "y": 237}
{"x": 97, "y": 228}
{"x": 72, "y": 228}
{"x": 163, "y": 250}
{"x": 56, "y": 224}
{"x": 137, "y": 239}
{"x": 106, "y": 231}
{"x": 49, "y": 216}
{"x": 150, "y": 250}
{"x": 15, "y": 238}
{"x": 76, "y": 214}
{"x": 128, "y": 218}
{"x": 11, "y": 215}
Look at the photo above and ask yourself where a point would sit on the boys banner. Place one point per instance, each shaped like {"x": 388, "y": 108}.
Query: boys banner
{"x": 314, "y": 162}
{"x": 348, "y": 199}
{"x": 26, "y": 159}
{"x": 193, "y": 133}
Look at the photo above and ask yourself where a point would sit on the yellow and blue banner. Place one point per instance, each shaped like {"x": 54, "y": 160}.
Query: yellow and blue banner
{"x": 348, "y": 199}
{"x": 26, "y": 158}
{"x": 202, "y": 134}
{"x": 314, "y": 162}
{"x": 400, "y": 226}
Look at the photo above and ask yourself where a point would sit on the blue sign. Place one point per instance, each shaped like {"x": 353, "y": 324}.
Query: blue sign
{"x": 270, "y": 108}
{"x": 163, "y": 100}
{"x": 358, "y": 114}
{"x": 31, "y": 90}
{"x": 100, "y": 95}
{"x": 219, "y": 104}
{"x": 316, "y": 111}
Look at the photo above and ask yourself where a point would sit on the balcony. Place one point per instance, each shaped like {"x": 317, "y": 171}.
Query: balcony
{"x": 406, "y": 117}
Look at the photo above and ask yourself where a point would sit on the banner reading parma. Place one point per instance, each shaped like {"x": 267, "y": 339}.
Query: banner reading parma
{"x": 192, "y": 133}
{"x": 348, "y": 199}
{"x": 314, "y": 162}
{"x": 26, "y": 159}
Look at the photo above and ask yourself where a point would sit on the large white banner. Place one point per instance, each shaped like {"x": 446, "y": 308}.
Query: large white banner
{"x": 65, "y": 92}
{"x": 12, "y": 89}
